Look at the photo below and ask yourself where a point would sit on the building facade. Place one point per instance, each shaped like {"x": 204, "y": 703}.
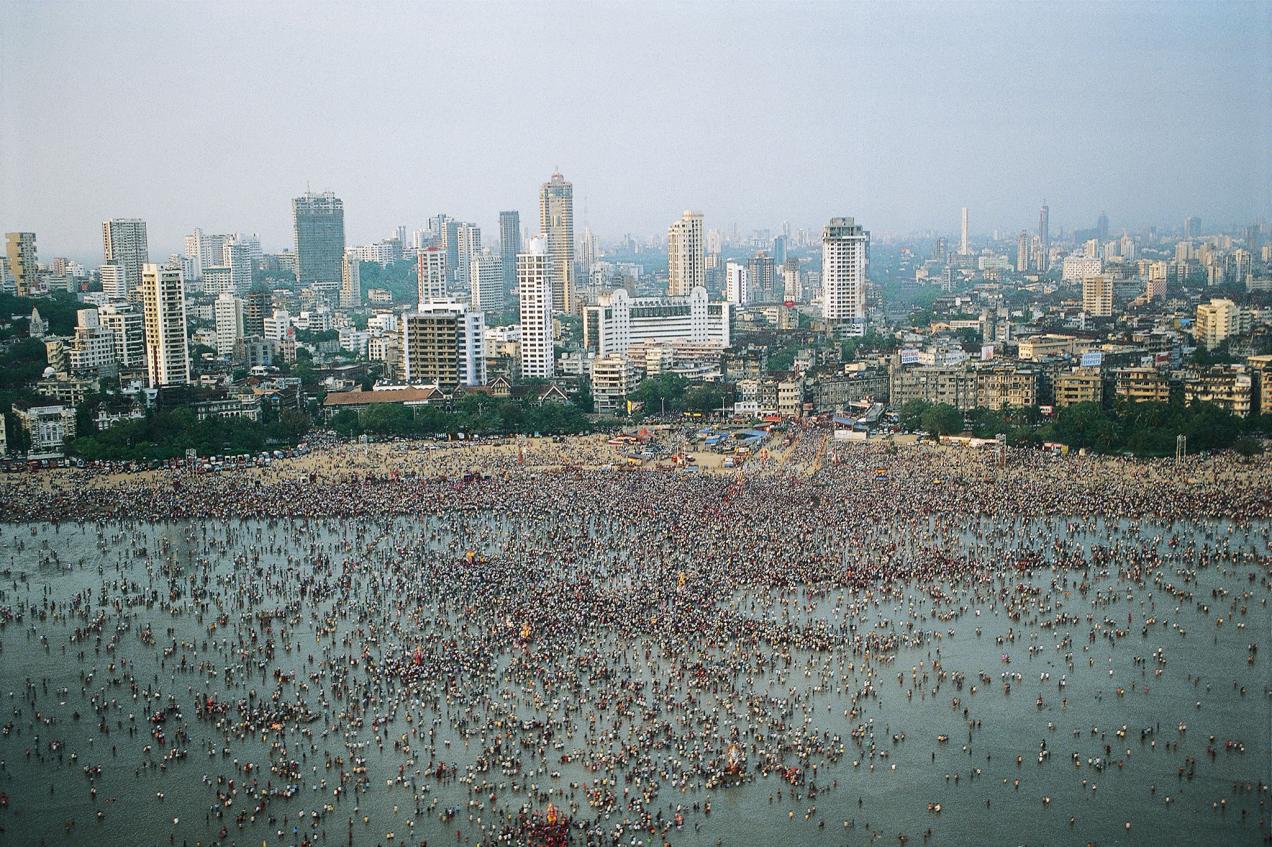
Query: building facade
{"x": 556, "y": 223}
{"x": 319, "y": 237}
{"x": 620, "y": 320}
{"x": 124, "y": 243}
{"x": 535, "y": 286}
{"x": 845, "y": 248}
{"x": 686, "y": 255}
{"x": 167, "y": 349}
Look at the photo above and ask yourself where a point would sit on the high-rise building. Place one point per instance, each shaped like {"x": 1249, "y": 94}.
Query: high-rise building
{"x": 779, "y": 250}
{"x": 792, "y": 291}
{"x": 686, "y": 255}
{"x": 845, "y": 252}
{"x": 556, "y": 222}
{"x": 467, "y": 245}
{"x": 257, "y": 306}
{"x": 167, "y": 349}
{"x": 206, "y": 249}
{"x": 1192, "y": 227}
{"x": 124, "y": 243}
{"x": 1044, "y": 235}
{"x": 1102, "y": 226}
{"x": 587, "y": 254}
{"x": 535, "y": 284}
{"x": 318, "y": 227}
{"x": 237, "y": 256}
{"x": 229, "y": 323}
{"x": 350, "y": 281}
{"x": 963, "y": 249}
{"x": 485, "y": 282}
{"x": 1097, "y": 296}
{"x": 509, "y": 247}
{"x": 443, "y": 343}
{"x": 737, "y": 285}
{"x": 430, "y": 271}
{"x": 760, "y": 275}
{"x": 23, "y": 265}
{"x": 128, "y": 325}
{"x": 1022, "y": 251}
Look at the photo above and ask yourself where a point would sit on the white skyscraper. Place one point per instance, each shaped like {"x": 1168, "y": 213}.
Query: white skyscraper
{"x": 128, "y": 324}
{"x": 686, "y": 255}
{"x": 468, "y": 245}
{"x": 167, "y": 350}
{"x": 737, "y": 284}
{"x": 485, "y": 281}
{"x": 124, "y": 243}
{"x": 845, "y": 245}
{"x": 535, "y": 284}
{"x": 229, "y": 323}
{"x": 237, "y": 256}
{"x": 115, "y": 281}
{"x": 431, "y": 273}
{"x": 963, "y": 249}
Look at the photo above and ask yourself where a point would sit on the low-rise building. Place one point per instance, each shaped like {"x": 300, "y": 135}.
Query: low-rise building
{"x": 49, "y": 426}
{"x": 613, "y": 378}
{"x": 1141, "y": 385}
{"x": 1079, "y": 385}
{"x": 1229, "y": 387}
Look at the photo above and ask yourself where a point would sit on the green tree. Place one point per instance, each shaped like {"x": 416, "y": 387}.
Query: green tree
{"x": 910, "y": 417}
{"x": 942, "y": 419}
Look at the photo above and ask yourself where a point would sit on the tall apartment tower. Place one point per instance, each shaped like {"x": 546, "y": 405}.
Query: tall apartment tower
{"x": 962, "y": 241}
{"x": 1044, "y": 236}
{"x": 467, "y": 245}
{"x": 350, "y": 281}
{"x": 509, "y": 247}
{"x": 444, "y": 343}
{"x": 237, "y": 256}
{"x": 1022, "y": 251}
{"x": 430, "y": 269}
{"x": 318, "y": 227}
{"x": 761, "y": 271}
{"x": 686, "y": 255}
{"x": 124, "y": 243}
{"x": 485, "y": 281}
{"x": 19, "y": 248}
{"x": 556, "y": 222}
{"x": 845, "y": 250}
{"x": 167, "y": 350}
{"x": 228, "y": 310}
{"x": 535, "y": 282}
{"x": 792, "y": 291}
{"x": 737, "y": 288}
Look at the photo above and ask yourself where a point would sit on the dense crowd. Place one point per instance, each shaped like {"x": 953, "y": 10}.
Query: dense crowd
{"x": 584, "y": 654}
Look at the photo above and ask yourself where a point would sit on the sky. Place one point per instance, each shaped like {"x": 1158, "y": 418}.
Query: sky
{"x": 217, "y": 114}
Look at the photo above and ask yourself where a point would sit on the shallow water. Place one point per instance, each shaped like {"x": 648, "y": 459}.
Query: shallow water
{"x": 180, "y": 578}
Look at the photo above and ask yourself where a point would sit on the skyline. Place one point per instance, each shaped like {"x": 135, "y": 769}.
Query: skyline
{"x": 1151, "y": 114}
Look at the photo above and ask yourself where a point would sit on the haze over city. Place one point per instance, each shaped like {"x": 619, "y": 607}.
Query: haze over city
{"x": 215, "y": 115}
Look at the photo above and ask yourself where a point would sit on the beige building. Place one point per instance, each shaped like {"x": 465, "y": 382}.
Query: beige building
{"x": 1216, "y": 321}
{"x": 613, "y": 378}
{"x": 1044, "y": 346}
{"x": 1261, "y": 374}
{"x": 167, "y": 349}
{"x": 686, "y": 256}
{"x": 23, "y": 265}
{"x": 1229, "y": 387}
{"x": 49, "y": 426}
{"x": 556, "y": 222}
{"x": 444, "y": 344}
{"x": 1079, "y": 385}
{"x": 1142, "y": 385}
{"x": 1097, "y": 296}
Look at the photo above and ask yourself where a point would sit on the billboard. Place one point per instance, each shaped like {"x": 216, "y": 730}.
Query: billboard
{"x": 1092, "y": 360}
{"x": 909, "y": 356}
{"x": 987, "y": 352}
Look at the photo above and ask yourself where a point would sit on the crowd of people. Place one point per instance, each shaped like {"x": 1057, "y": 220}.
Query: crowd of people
{"x": 524, "y": 643}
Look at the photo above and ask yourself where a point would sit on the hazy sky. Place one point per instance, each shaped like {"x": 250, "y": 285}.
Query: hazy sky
{"x": 216, "y": 114}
